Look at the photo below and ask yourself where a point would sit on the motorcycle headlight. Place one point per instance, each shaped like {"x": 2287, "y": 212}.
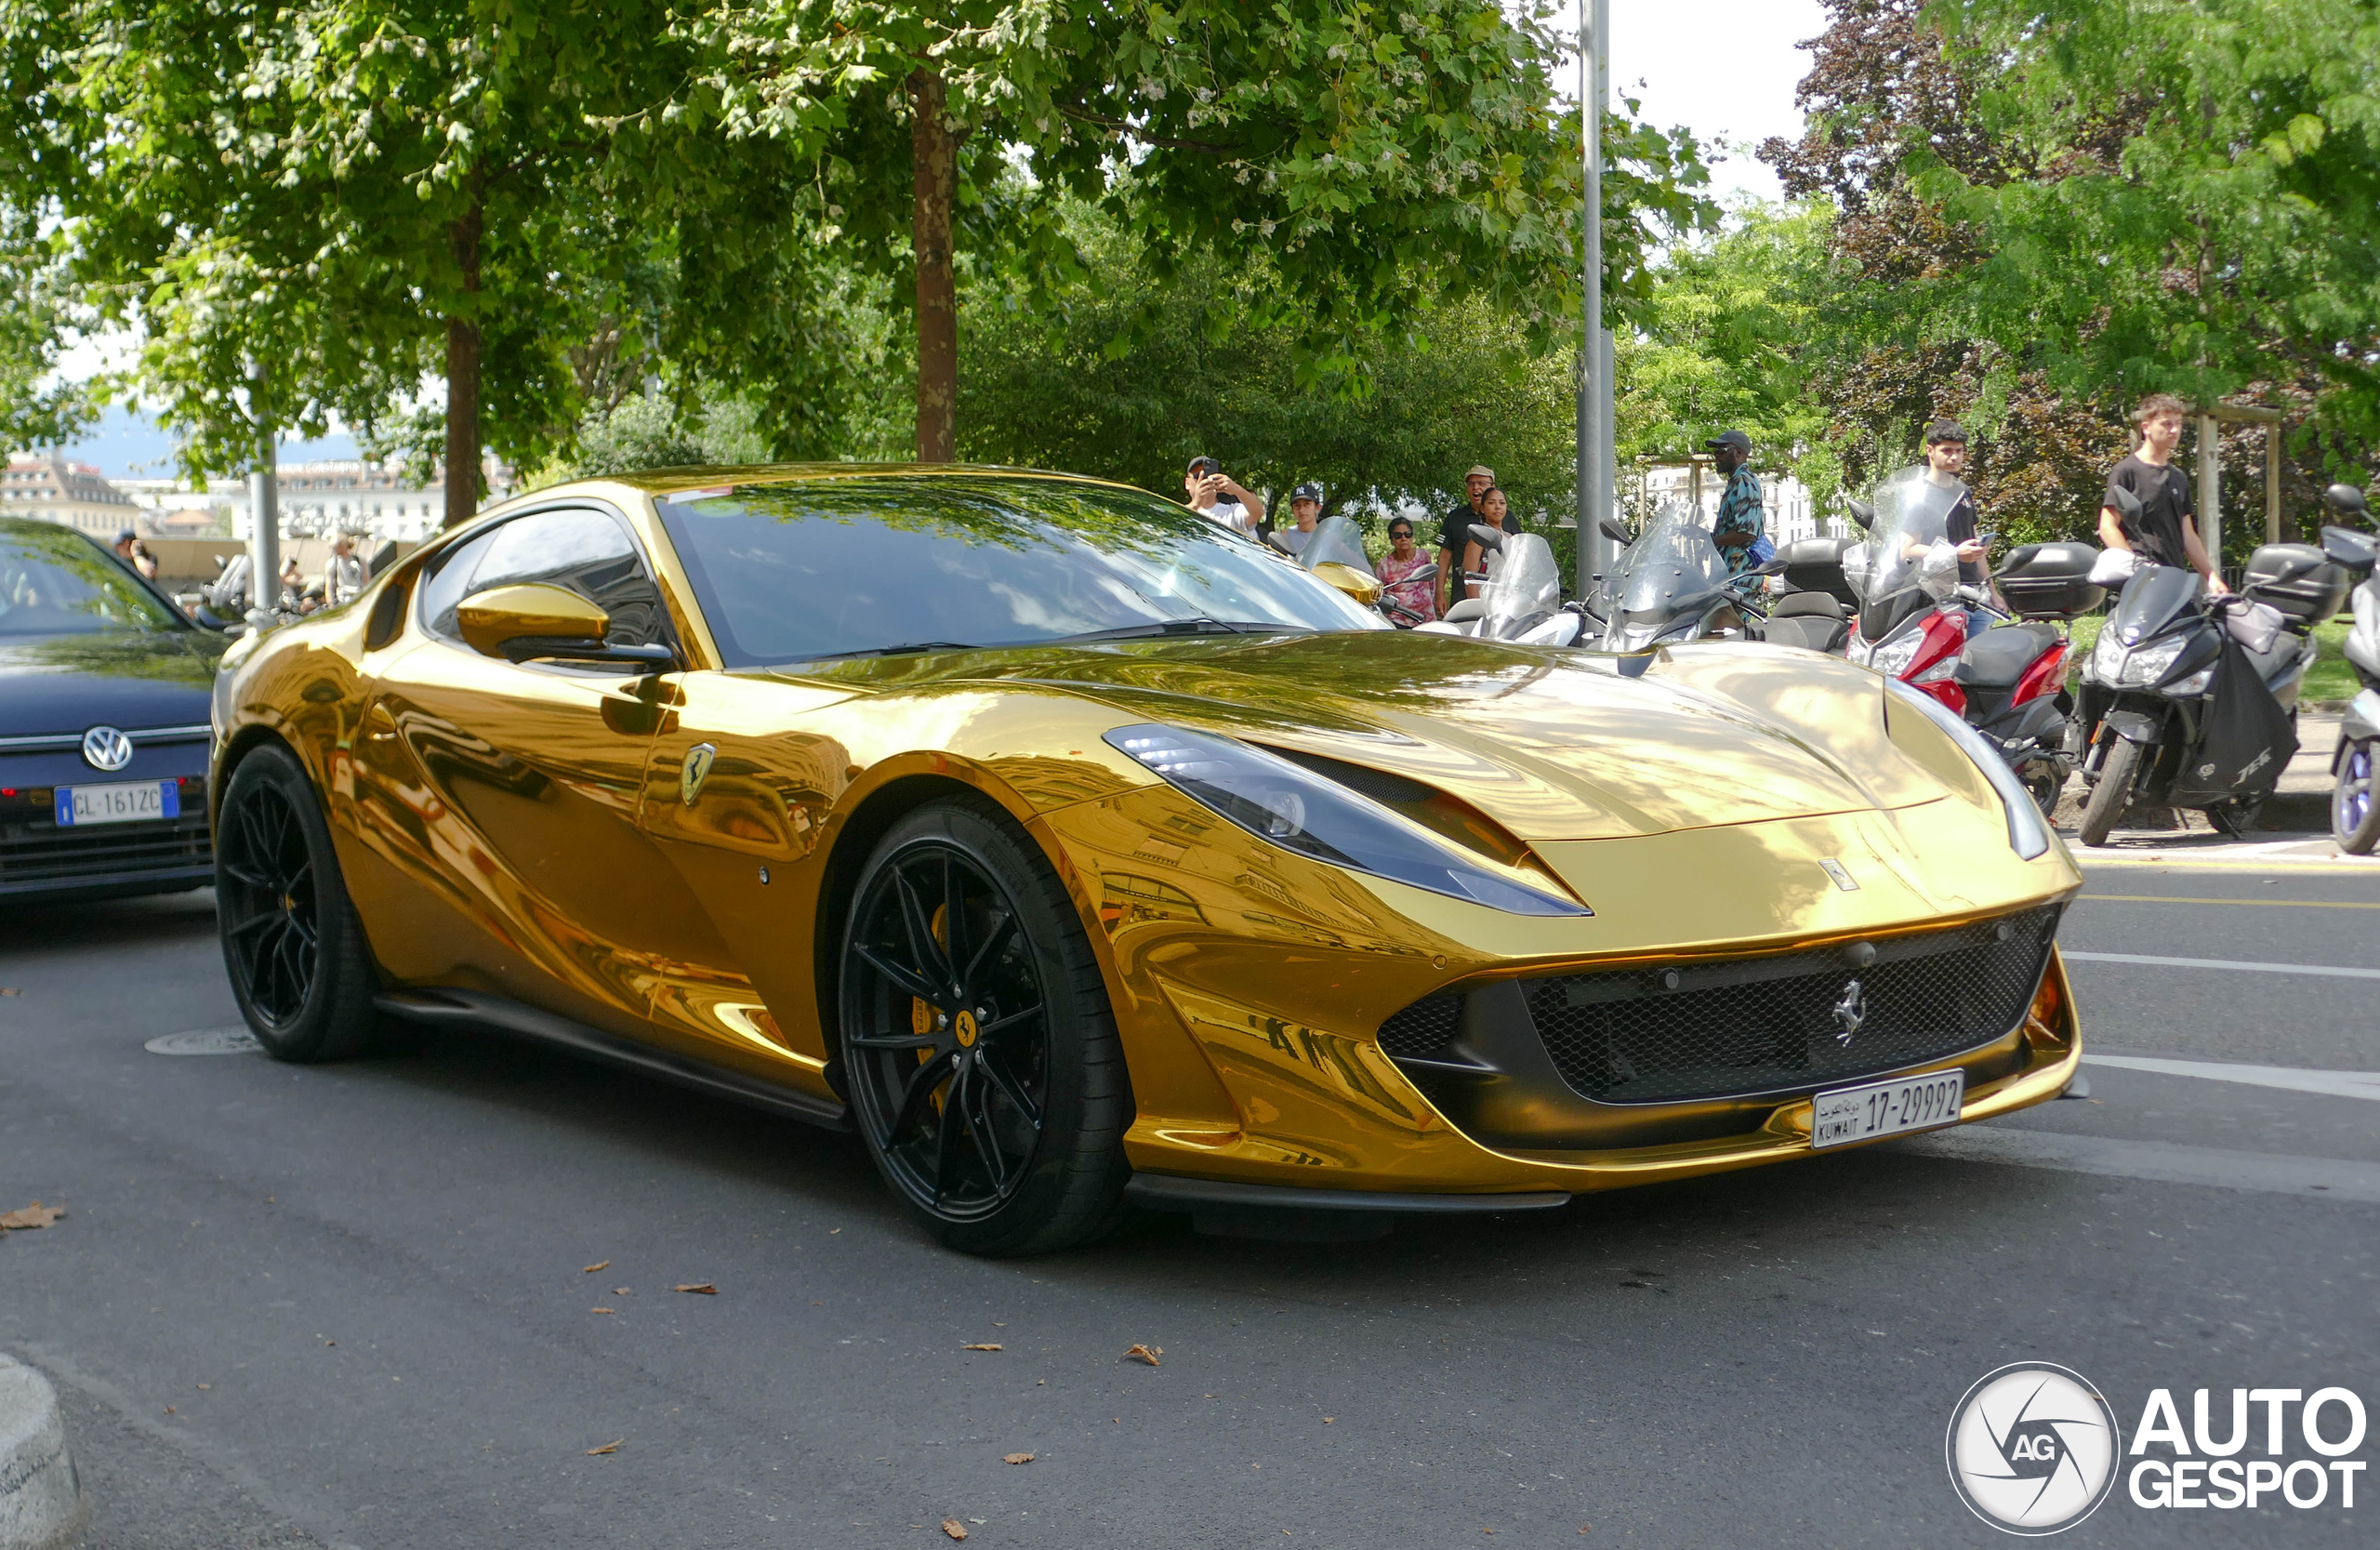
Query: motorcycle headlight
{"x": 2146, "y": 664}
{"x": 2028, "y": 836}
{"x": 1300, "y": 811}
{"x": 1892, "y": 658}
{"x": 2107, "y": 657}
{"x": 2196, "y": 683}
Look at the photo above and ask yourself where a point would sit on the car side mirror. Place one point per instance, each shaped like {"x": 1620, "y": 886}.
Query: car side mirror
{"x": 1613, "y": 531}
{"x": 533, "y": 619}
{"x": 1863, "y": 514}
{"x": 1360, "y": 585}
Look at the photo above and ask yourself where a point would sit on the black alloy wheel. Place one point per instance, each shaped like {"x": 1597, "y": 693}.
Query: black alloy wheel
{"x": 291, "y": 942}
{"x": 977, "y": 1044}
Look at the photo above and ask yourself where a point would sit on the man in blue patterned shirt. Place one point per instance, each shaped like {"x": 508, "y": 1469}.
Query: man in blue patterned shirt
{"x": 1739, "y": 525}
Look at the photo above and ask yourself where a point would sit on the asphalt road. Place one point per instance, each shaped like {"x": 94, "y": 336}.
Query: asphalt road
{"x": 347, "y": 1306}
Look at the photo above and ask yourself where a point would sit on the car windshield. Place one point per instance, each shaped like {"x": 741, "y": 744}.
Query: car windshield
{"x": 61, "y": 583}
{"x": 1910, "y": 558}
{"x": 887, "y": 562}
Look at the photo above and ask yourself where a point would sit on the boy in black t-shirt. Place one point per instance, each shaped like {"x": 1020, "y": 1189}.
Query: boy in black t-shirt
{"x": 2164, "y": 534}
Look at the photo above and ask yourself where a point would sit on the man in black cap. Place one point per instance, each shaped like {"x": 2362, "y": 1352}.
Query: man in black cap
{"x": 1740, "y": 525}
{"x": 1305, "y": 509}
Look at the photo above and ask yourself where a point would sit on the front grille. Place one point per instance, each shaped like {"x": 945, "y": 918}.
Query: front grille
{"x": 45, "y": 852}
{"x": 1707, "y": 1030}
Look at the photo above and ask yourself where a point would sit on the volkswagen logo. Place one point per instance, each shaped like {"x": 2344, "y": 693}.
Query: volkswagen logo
{"x": 106, "y": 748}
{"x": 1849, "y": 1012}
{"x": 2032, "y": 1449}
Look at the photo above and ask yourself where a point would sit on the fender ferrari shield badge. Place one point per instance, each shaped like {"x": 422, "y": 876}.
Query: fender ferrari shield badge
{"x": 695, "y": 771}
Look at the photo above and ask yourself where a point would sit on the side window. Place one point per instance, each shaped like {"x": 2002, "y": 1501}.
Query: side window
{"x": 586, "y": 551}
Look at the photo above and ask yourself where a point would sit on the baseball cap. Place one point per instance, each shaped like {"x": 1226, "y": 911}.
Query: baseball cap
{"x": 1945, "y": 431}
{"x": 1736, "y": 439}
{"x": 1203, "y": 465}
{"x": 1307, "y": 490}
{"x": 126, "y": 535}
{"x": 1481, "y": 470}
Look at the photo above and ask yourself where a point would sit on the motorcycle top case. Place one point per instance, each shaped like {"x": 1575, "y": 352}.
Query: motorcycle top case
{"x": 2298, "y": 579}
{"x": 2050, "y": 580}
{"x": 1816, "y": 566}
{"x": 2245, "y": 740}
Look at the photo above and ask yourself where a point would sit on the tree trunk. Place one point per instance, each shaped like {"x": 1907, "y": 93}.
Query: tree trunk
{"x": 463, "y": 380}
{"x": 935, "y": 163}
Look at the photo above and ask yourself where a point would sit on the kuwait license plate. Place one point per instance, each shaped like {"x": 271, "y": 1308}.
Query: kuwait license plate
{"x": 129, "y": 801}
{"x": 1885, "y": 1108}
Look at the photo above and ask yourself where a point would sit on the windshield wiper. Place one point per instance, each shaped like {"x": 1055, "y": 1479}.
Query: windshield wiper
{"x": 902, "y": 650}
{"x": 1202, "y": 626}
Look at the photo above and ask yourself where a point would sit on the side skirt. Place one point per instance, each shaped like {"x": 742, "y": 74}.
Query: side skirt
{"x": 472, "y": 1009}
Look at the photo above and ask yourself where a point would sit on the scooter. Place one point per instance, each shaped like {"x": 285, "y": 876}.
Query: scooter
{"x": 1334, "y": 554}
{"x": 2355, "y": 806}
{"x": 1670, "y": 586}
{"x": 2192, "y": 701}
{"x": 1521, "y": 596}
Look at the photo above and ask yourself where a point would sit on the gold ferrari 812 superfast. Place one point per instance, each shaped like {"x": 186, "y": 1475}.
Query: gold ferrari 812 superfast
{"x": 1078, "y": 853}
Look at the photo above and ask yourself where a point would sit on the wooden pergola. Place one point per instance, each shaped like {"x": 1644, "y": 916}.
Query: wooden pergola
{"x": 2210, "y": 470}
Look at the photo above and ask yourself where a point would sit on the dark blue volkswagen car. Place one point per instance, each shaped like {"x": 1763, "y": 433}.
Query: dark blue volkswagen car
{"x": 103, "y": 726}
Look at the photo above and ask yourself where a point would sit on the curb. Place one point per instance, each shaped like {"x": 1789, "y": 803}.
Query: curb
{"x": 42, "y": 1506}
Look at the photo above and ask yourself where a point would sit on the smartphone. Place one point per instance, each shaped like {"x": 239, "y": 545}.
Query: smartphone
{"x": 1987, "y": 539}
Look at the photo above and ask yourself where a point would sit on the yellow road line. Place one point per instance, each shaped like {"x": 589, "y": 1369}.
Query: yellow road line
{"x": 2263, "y": 904}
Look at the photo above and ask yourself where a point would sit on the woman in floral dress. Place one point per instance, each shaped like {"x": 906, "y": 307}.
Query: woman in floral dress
{"x": 1410, "y": 577}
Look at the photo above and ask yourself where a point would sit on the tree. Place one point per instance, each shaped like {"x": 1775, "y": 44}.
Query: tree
{"x": 1376, "y": 163}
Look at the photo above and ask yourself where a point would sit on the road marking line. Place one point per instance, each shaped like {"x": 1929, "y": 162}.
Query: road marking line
{"x": 2263, "y": 904}
{"x": 2316, "y": 1178}
{"x": 2294, "y": 1079}
{"x": 2322, "y": 969}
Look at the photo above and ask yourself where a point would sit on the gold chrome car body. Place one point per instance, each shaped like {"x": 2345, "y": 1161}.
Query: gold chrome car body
{"x": 665, "y": 859}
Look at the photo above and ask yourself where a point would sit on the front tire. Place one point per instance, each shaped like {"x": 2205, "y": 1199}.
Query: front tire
{"x": 978, "y": 1047}
{"x": 2113, "y": 794}
{"x": 2355, "y": 805}
{"x": 299, "y": 968}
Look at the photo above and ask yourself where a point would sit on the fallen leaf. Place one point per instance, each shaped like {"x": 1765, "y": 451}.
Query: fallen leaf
{"x": 169, "y": 1410}
{"x": 620, "y": 1291}
{"x": 599, "y": 1310}
{"x": 33, "y": 1215}
{"x": 1328, "y": 1419}
{"x": 1146, "y": 1353}
{"x": 992, "y": 1346}
{"x": 9, "y": 990}
{"x": 206, "y": 1386}
{"x": 955, "y": 1528}
{"x": 598, "y": 1264}
{"x": 1016, "y": 1458}
{"x": 832, "y": 1231}
{"x": 704, "y": 1288}
{"x": 611, "y": 1447}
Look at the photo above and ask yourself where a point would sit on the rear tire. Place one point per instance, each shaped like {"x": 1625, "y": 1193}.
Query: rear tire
{"x": 2355, "y": 801}
{"x": 2113, "y": 794}
{"x": 300, "y": 969}
{"x": 994, "y": 1105}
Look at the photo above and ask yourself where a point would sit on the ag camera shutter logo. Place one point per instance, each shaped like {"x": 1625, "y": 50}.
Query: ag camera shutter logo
{"x": 2032, "y": 1449}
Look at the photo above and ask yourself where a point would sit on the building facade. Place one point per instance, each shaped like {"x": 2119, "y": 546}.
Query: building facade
{"x": 75, "y": 494}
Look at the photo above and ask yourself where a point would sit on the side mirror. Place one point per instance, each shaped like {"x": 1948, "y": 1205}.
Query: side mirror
{"x": 1360, "y": 585}
{"x": 533, "y": 619}
{"x": 1275, "y": 540}
{"x": 1863, "y": 514}
{"x": 1772, "y": 568}
{"x": 1491, "y": 539}
{"x": 1613, "y": 531}
{"x": 2127, "y": 505}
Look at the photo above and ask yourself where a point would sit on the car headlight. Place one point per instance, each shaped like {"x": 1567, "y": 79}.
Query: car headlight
{"x": 2028, "y": 836}
{"x": 1892, "y": 658}
{"x": 1301, "y": 811}
{"x": 2146, "y": 664}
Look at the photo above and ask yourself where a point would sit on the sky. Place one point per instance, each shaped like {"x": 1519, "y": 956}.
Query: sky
{"x": 1725, "y": 69}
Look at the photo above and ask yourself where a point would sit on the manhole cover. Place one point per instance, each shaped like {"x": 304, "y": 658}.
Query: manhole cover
{"x": 203, "y": 1041}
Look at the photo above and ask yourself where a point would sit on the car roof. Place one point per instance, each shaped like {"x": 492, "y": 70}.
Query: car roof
{"x": 675, "y": 481}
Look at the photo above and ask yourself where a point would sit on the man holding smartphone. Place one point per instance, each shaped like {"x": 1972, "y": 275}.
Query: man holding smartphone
{"x": 1946, "y": 458}
{"x": 1219, "y": 498}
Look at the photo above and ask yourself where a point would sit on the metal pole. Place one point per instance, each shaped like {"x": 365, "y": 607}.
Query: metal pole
{"x": 2210, "y": 491}
{"x": 264, "y": 505}
{"x": 2272, "y": 481}
{"x": 1594, "y": 341}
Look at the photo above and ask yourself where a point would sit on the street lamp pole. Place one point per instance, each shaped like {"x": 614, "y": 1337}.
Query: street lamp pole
{"x": 1595, "y": 340}
{"x": 264, "y": 503}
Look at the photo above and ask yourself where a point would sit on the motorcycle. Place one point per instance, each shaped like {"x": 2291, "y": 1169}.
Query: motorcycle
{"x": 1334, "y": 552}
{"x": 1521, "y": 599}
{"x": 1670, "y": 586}
{"x": 2008, "y": 682}
{"x": 2354, "y": 813}
{"x": 2192, "y": 701}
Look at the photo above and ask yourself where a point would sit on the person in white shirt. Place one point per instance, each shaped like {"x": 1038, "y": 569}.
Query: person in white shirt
{"x": 1220, "y": 499}
{"x": 1305, "y": 509}
{"x": 343, "y": 577}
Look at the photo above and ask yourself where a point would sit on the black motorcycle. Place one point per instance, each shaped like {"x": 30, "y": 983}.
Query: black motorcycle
{"x": 2192, "y": 701}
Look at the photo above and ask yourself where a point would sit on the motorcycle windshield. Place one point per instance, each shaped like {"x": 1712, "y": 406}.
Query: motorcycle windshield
{"x": 1669, "y": 572}
{"x": 1338, "y": 540}
{"x": 1524, "y": 586}
{"x": 2151, "y": 600}
{"x": 1911, "y": 566}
